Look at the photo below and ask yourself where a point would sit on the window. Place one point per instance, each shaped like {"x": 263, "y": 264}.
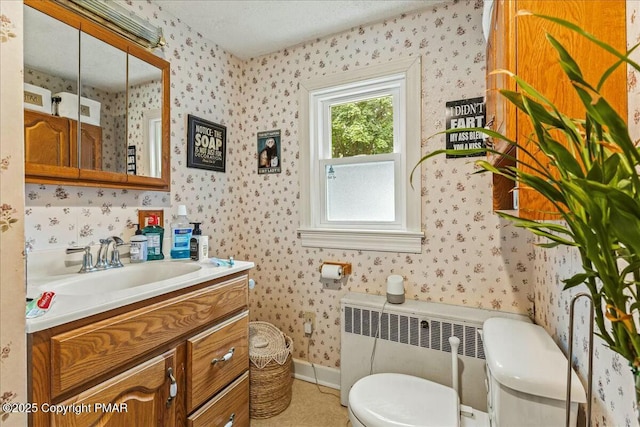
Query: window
{"x": 360, "y": 138}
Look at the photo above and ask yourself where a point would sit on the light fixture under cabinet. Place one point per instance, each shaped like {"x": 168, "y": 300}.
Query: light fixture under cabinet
{"x": 119, "y": 19}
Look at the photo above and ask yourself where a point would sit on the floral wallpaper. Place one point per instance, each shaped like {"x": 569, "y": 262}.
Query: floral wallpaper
{"x": 13, "y": 387}
{"x": 470, "y": 257}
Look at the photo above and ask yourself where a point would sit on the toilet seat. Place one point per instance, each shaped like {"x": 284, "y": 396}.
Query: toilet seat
{"x": 394, "y": 400}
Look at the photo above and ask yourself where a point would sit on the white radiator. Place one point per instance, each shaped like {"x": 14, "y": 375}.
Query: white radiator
{"x": 413, "y": 338}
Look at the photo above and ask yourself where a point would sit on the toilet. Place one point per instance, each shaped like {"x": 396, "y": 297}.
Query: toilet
{"x": 402, "y": 400}
{"x": 525, "y": 380}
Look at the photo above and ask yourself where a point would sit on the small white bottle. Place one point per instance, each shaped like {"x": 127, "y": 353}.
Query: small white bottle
{"x": 204, "y": 248}
{"x": 138, "y": 250}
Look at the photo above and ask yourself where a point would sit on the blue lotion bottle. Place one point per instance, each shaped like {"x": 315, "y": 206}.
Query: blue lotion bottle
{"x": 181, "y": 231}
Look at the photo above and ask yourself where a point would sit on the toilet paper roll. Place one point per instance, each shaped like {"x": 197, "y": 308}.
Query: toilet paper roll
{"x": 331, "y": 271}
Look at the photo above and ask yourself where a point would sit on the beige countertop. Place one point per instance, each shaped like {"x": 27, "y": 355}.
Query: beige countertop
{"x": 69, "y": 307}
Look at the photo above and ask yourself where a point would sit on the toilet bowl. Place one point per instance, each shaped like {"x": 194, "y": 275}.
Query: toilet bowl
{"x": 402, "y": 400}
{"x": 526, "y": 384}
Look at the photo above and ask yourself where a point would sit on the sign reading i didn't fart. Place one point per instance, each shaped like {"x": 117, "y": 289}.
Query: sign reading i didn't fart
{"x": 462, "y": 114}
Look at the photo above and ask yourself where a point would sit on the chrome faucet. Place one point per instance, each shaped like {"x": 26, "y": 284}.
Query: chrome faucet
{"x": 87, "y": 258}
{"x": 102, "y": 263}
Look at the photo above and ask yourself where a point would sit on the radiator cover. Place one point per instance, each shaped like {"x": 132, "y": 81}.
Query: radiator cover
{"x": 413, "y": 339}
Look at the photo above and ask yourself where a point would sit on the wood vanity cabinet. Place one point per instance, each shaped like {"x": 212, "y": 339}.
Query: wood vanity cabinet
{"x": 174, "y": 360}
{"x": 53, "y": 141}
{"x": 518, "y": 44}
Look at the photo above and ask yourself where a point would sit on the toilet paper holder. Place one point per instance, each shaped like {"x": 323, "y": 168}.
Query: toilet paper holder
{"x": 346, "y": 267}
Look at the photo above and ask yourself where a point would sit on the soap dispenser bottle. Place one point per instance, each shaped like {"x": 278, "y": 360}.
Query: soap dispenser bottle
{"x": 138, "y": 250}
{"x": 180, "y": 234}
{"x": 154, "y": 234}
{"x": 199, "y": 244}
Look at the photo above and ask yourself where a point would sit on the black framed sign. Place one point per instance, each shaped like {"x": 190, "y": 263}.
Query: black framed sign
{"x": 269, "y": 158}
{"x": 206, "y": 144}
{"x": 465, "y": 113}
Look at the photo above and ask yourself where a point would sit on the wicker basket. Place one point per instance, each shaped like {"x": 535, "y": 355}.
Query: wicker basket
{"x": 270, "y": 385}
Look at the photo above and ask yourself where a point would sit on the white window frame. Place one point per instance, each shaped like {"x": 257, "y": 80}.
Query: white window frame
{"x": 152, "y": 135}
{"x": 403, "y": 80}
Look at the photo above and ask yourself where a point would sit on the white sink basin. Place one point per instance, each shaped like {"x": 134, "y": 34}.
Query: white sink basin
{"x": 127, "y": 277}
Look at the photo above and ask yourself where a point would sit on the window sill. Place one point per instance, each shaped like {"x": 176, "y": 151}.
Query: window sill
{"x": 364, "y": 240}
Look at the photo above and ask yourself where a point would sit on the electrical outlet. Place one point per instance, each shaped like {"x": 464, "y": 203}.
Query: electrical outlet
{"x": 309, "y": 317}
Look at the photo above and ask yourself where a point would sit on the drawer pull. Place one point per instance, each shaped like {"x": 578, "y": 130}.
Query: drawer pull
{"x": 173, "y": 387}
{"x": 225, "y": 357}
{"x": 230, "y": 422}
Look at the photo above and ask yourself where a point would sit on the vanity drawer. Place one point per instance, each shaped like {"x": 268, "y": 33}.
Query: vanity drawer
{"x": 232, "y": 404}
{"x": 84, "y": 353}
{"x": 215, "y": 358}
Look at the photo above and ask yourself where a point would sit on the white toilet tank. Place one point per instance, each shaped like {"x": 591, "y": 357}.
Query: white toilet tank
{"x": 526, "y": 376}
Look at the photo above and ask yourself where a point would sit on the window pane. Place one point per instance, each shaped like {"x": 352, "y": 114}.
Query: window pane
{"x": 360, "y": 192}
{"x": 363, "y": 127}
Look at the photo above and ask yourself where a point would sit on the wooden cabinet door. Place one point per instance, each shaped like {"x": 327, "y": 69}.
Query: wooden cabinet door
{"x": 137, "y": 397}
{"x": 90, "y": 146}
{"x": 46, "y": 139}
{"x": 518, "y": 44}
{"x": 537, "y": 63}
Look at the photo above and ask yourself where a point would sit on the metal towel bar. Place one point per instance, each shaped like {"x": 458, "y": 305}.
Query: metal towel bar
{"x": 570, "y": 358}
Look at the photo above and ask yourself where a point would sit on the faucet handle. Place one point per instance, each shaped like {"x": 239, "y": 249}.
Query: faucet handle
{"x": 115, "y": 256}
{"x": 102, "y": 253}
{"x": 115, "y": 253}
{"x": 87, "y": 258}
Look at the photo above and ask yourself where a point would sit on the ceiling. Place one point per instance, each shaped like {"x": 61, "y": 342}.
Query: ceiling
{"x": 251, "y": 28}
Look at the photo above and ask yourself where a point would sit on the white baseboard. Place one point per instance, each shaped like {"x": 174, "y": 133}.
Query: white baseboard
{"x": 328, "y": 377}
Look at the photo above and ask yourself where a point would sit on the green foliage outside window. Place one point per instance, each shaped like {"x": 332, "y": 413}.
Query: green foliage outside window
{"x": 363, "y": 127}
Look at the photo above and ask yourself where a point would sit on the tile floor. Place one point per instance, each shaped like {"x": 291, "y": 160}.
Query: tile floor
{"x": 310, "y": 408}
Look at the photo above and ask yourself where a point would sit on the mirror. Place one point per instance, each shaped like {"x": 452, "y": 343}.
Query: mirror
{"x": 123, "y": 111}
{"x": 145, "y": 119}
{"x": 50, "y": 67}
{"x": 103, "y": 106}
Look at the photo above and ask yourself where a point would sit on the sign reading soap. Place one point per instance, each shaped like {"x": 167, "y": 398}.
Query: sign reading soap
{"x": 465, "y": 113}
{"x": 206, "y": 144}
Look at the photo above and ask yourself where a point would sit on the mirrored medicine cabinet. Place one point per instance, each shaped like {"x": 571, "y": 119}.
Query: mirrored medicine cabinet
{"x": 96, "y": 104}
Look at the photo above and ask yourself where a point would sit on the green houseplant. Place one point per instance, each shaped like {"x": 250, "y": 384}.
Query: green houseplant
{"x": 596, "y": 190}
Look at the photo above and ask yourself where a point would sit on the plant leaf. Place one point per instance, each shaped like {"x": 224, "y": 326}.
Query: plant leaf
{"x": 568, "y": 64}
{"x": 576, "y": 280}
{"x": 536, "y": 108}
